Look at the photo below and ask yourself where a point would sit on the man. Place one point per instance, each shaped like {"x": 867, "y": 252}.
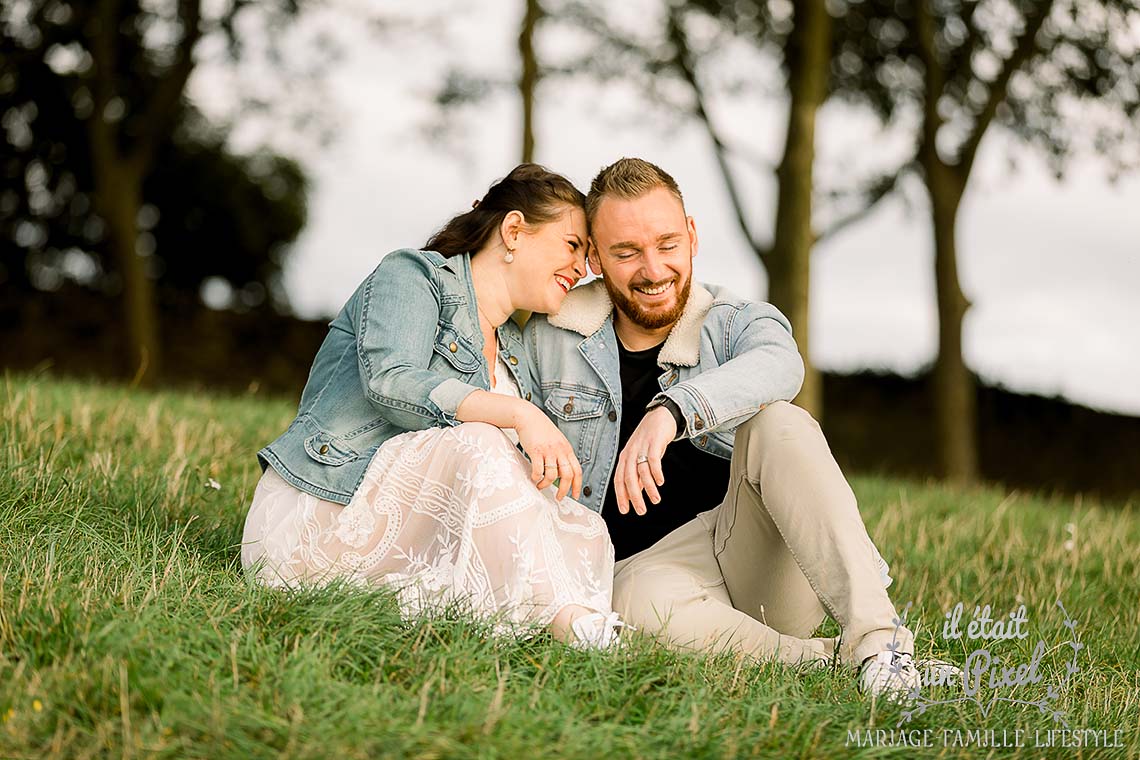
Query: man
{"x": 732, "y": 524}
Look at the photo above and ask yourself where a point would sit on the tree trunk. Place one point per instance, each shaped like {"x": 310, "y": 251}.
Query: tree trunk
{"x": 788, "y": 265}
{"x": 528, "y": 78}
{"x": 118, "y": 193}
{"x": 955, "y": 392}
{"x": 118, "y": 180}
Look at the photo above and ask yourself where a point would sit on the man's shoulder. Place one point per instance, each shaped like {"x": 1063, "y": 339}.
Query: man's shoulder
{"x": 722, "y": 296}
{"x": 727, "y": 301}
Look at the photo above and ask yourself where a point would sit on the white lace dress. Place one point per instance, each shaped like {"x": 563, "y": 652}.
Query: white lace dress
{"x": 446, "y": 516}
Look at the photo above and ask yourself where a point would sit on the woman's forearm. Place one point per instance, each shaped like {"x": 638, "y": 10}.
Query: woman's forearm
{"x": 495, "y": 409}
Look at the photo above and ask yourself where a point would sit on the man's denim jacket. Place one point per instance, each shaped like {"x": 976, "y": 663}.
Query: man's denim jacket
{"x": 724, "y": 359}
{"x": 403, "y": 353}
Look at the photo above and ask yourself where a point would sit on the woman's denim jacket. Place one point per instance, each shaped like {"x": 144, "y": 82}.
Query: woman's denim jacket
{"x": 724, "y": 359}
{"x": 403, "y": 353}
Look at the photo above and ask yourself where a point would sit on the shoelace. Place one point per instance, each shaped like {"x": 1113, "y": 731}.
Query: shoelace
{"x": 597, "y": 630}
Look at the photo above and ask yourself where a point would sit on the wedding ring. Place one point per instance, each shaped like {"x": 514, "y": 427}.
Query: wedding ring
{"x": 550, "y": 467}
{"x": 642, "y": 459}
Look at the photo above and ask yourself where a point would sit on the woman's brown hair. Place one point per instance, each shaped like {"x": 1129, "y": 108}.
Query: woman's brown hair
{"x": 535, "y": 191}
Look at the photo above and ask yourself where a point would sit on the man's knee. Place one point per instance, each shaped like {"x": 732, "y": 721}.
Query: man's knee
{"x": 777, "y": 420}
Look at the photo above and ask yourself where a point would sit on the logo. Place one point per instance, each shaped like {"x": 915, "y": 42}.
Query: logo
{"x": 986, "y": 677}
{"x": 995, "y": 671}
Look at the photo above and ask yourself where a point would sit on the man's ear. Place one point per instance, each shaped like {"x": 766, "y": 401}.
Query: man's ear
{"x": 510, "y": 228}
{"x": 592, "y": 257}
{"x": 692, "y": 236}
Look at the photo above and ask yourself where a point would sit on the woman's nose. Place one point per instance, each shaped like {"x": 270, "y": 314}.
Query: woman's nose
{"x": 580, "y": 264}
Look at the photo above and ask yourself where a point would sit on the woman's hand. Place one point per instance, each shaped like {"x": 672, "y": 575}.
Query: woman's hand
{"x": 551, "y": 455}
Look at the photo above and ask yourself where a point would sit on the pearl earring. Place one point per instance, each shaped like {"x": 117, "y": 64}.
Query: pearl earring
{"x": 510, "y": 255}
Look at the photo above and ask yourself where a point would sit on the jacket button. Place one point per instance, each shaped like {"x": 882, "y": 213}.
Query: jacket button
{"x": 703, "y": 440}
{"x": 569, "y": 407}
{"x": 514, "y": 360}
{"x": 325, "y": 449}
{"x": 452, "y": 347}
{"x": 698, "y": 423}
{"x": 612, "y": 415}
{"x": 586, "y": 491}
{"x": 528, "y": 395}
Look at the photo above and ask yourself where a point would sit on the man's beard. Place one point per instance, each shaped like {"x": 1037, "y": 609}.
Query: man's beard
{"x": 650, "y": 320}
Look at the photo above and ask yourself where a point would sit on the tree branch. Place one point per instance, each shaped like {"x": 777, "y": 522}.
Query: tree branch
{"x": 1022, "y": 52}
{"x": 876, "y": 191}
{"x": 685, "y": 64}
{"x": 529, "y": 76}
{"x": 159, "y": 112}
{"x": 933, "y": 80}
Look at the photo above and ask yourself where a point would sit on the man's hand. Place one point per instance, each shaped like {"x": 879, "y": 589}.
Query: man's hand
{"x": 648, "y": 442}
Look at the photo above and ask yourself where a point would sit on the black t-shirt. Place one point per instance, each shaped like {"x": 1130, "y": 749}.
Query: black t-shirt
{"x": 695, "y": 481}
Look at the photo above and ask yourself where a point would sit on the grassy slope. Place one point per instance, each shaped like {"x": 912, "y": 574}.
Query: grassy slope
{"x": 126, "y": 627}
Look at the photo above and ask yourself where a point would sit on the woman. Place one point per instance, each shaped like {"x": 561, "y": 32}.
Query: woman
{"x": 401, "y": 467}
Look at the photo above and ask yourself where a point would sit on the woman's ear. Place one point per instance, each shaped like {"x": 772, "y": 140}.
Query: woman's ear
{"x": 592, "y": 257}
{"x": 510, "y": 228}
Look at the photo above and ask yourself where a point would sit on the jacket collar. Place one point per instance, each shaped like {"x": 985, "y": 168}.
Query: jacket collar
{"x": 458, "y": 264}
{"x": 587, "y": 308}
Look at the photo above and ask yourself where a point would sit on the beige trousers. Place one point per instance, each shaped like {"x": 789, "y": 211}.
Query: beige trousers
{"x": 758, "y": 573}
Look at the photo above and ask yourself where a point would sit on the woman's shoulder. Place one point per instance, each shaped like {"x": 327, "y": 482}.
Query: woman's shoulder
{"x": 413, "y": 258}
{"x": 409, "y": 264}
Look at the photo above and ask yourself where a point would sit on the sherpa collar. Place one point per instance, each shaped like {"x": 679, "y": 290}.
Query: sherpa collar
{"x": 587, "y": 307}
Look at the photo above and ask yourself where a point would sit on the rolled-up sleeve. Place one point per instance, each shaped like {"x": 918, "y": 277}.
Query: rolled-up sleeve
{"x": 395, "y": 337}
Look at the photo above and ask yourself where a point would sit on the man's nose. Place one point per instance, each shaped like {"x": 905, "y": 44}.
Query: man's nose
{"x": 654, "y": 267}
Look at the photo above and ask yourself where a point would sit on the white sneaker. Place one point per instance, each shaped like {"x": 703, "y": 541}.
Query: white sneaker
{"x": 597, "y": 631}
{"x": 898, "y": 677}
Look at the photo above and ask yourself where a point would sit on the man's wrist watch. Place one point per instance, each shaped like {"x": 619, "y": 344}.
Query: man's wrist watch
{"x": 675, "y": 410}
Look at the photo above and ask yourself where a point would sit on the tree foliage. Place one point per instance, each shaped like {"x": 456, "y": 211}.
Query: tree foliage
{"x": 207, "y": 212}
{"x": 1061, "y": 76}
{"x": 110, "y": 178}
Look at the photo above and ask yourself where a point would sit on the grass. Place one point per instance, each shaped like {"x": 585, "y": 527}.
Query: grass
{"x": 128, "y": 630}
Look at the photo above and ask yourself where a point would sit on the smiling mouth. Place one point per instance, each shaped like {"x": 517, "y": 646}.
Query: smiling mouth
{"x": 655, "y": 290}
{"x": 564, "y": 282}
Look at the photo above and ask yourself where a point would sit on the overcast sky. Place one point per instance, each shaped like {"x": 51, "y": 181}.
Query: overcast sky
{"x": 1053, "y": 270}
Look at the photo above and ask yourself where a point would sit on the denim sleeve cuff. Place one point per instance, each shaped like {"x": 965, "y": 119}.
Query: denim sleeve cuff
{"x": 448, "y": 395}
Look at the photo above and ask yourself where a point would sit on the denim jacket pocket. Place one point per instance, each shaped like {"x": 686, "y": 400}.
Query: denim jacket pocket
{"x": 577, "y": 414}
{"x": 325, "y": 449}
{"x": 456, "y": 349}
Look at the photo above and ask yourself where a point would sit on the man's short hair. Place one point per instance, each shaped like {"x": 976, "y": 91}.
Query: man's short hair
{"x": 628, "y": 178}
